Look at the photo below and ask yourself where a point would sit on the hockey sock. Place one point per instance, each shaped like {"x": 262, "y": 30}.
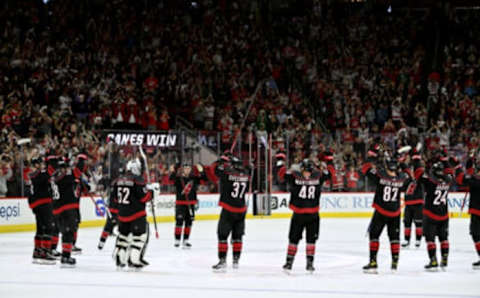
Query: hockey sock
{"x": 310, "y": 251}
{"x": 46, "y": 243}
{"x": 419, "y": 232}
{"x": 75, "y": 234}
{"x": 54, "y": 242}
{"x": 222, "y": 249}
{"x": 178, "y": 232}
{"x": 431, "y": 247}
{"x": 444, "y": 247}
{"x": 408, "y": 232}
{"x": 37, "y": 242}
{"x": 104, "y": 236}
{"x": 395, "y": 249}
{"x": 374, "y": 246}
{"x": 66, "y": 249}
{"x": 237, "y": 248}
{"x": 186, "y": 232}
{"x": 291, "y": 252}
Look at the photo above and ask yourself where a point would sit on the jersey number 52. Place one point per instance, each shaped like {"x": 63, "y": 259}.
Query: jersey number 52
{"x": 123, "y": 194}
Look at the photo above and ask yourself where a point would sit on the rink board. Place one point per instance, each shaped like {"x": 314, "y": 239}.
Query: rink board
{"x": 16, "y": 216}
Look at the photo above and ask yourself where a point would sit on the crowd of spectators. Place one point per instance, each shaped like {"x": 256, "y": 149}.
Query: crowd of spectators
{"x": 329, "y": 79}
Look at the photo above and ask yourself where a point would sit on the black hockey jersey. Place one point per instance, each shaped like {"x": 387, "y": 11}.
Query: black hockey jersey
{"x": 472, "y": 180}
{"x": 436, "y": 193}
{"x": 64, "y": 187}
{"x": 305, "y": 193}
{"x": 186, "y": 187}
{"x": 414, "y": 193}
{"x": 234, "y": 185}
{"x": 388, "y": 188}
{"x": 38, "y": 186}
{"x": 131, "y": 194}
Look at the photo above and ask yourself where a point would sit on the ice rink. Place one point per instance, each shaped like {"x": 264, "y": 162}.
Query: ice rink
{"x": 341, "y": 252}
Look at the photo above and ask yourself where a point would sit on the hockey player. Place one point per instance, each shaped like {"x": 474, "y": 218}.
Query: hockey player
{"x": 40, "y": 201}
{"x": 305, "y": 186}
{"x": 471, "y": 178}
{"x": 112, "y": 218}
{"x": 186, "y": 184}
{"x": 79, "y": 172}
{"x": 386, "y": 202}
{"x": 413, "y": 211}
{"x": 132, "y": 194}
{"x": 65, "y": 208}
{"x": 234, "y": 183}
{"x": 436, "y": 185}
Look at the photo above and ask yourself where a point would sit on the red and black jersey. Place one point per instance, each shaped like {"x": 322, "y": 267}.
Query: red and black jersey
{"x": 388, "y": 188}
{"x": 64, "y": 186}
{"x": 234, "y": 184}
{"x": 436, "y": 193}
{"x": 39, "y": 188}
{"x": 305, "y": 193}
{"x": 414, "y": 193}
{"x": 186, "y": 187}
{"x": 131, "y": 194}
{"x": 472, "y": 180}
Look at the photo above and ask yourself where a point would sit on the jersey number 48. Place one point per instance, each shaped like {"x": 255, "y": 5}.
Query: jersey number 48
{"x": 307, "y": 192}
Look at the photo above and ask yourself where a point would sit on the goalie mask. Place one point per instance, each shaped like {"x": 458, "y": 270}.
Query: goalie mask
{"x": 134, "y": 166}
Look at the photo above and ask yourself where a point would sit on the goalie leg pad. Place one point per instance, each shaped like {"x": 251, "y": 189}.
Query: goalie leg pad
{"x": 136, "y": 248}
{"x": 121, "y": 248}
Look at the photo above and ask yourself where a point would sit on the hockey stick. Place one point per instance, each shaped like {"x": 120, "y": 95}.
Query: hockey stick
{"x": 463, "y": 203}
{"x": 253, "y": 96}
{"x": 152, "y": 203}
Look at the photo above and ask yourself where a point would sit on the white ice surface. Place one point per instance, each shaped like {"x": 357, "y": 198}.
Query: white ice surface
{"x": 341, "y": 252}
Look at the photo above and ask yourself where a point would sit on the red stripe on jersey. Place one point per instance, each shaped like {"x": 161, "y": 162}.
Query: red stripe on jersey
{"x": 367, "y": 166}
{"x": 386, "y": 212}
{"x": 232, "y": 208}
{"x": 460, "y": 178}
{"x": 183, "y": 202}
{"x": 113, "y": 210}
{"x": 301, "y": 210}
{"x": 132, "y": 217}
{"x": 414, "y": 202}
{"x": 65, "y": 208}
{"x": 39, "y": 202}
{"x": 434, "y": 216}
{"x": 147, "y": 197}
{"x": 470, "y": 171}
{"x": 419, "y": 172}
{"x": 474, "y": 211}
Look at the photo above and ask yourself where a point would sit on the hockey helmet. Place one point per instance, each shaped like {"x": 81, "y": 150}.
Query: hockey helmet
{"x": 391, "y": 163}
{"x": 438, "y": 169}
{"x": 236, "y": 162}
{"x": 306, "y": 165}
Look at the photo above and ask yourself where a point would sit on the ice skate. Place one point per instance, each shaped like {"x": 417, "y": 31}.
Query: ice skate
{"x": 417, "y": 243}
{"x": 371, "y": 268}
{"x": 177, "y": 243}
{"x": 287, "y": 268}
{"x": 68, "y": 262}
{"x": 406, "y": 244}
{"x": 432, "y": 266}
{"x": 76, "y": 250}
{"x": 476, "y": 265}
{"x": 310, "y": 268}
{"x": 186, "y": 244}
{"x": 221, "y": 267}
{"x": 235, "y": 264}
